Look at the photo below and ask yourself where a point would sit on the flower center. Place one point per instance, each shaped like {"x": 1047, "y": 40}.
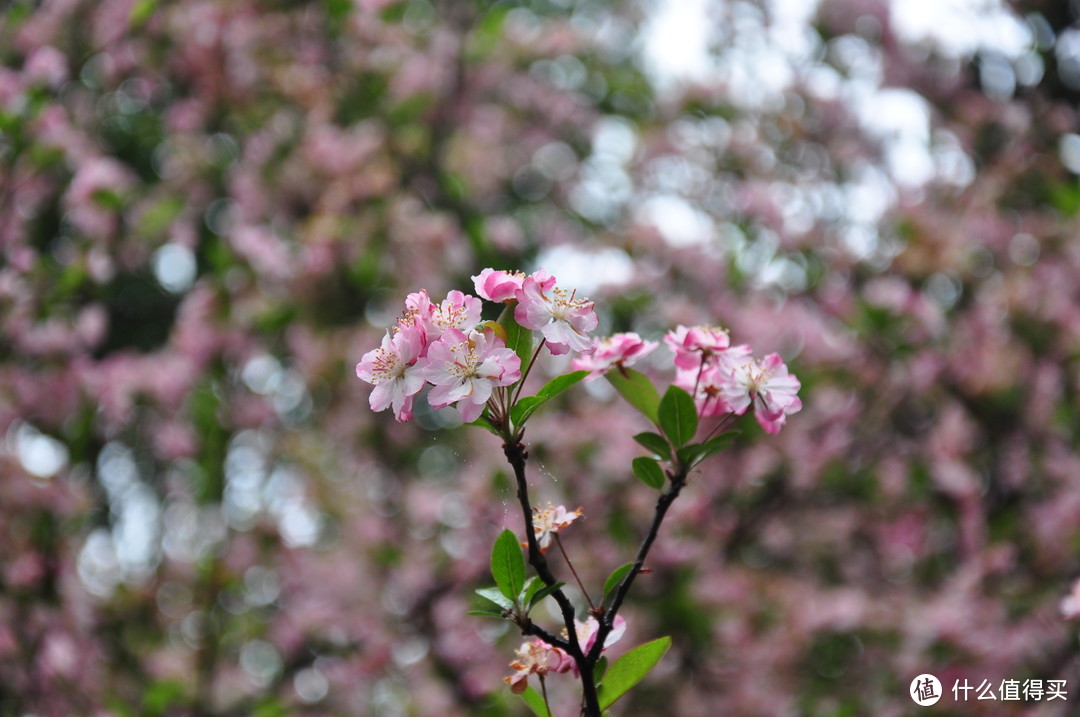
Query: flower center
{"x": 465, "y": 361}
{"x": 387, "y": 366}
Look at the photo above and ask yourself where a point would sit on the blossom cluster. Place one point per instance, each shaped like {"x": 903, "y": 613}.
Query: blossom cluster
{"x": 444, "y": 344}
{"x": 725, "y": 379}
{"x": 537, "y": 657}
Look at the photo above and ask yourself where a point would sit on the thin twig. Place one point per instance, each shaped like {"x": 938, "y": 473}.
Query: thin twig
{"x": 569, "y": 564}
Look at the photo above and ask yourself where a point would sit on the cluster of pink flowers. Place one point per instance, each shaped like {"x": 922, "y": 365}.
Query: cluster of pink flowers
{"x": 616, "y": 350}
{"x": 726, "y": 379}
{"x": 444, "y": 344}
{"x": 723, "y": 379}
{"x": 537, "y": 657}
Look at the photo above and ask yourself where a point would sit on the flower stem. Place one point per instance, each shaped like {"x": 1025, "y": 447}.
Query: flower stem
{"x": 607, "y": 620}
{"x": 516, "y": 455}
{"x": 525, "y": 375}
{"x": 543, "y": 691}
{"x": 558, "y": 541}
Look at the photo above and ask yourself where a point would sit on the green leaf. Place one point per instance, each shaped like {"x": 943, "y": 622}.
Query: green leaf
{"x": 543, "y": 593}
{"x": 531, "y": 586}
{"x": 655, "y": 443}
{"x": 495, "y": 595}
{"x": 518, "y": 338}
{"x": 649, "y": 472}
{"x": 600, "y": 670}
{"x": 508, "y": 565}
{"x": 612, "y": 583}
{"x": 141, "y": 12}
{"x": 631, "y": 669}
{"x": 490, "y": 612}
{"x": 695, "y": 453}
{"x": 525, "y": 407}
{"x": 535, "y": 701}
{"x": 637, "y": 389}
{"x": 678, "y": 416}
{"x": 337, "y": 10}
{"x": 160, "y": 696}
{"x": 484, "y": 422}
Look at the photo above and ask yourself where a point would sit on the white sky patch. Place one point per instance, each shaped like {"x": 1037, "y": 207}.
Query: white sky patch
{"x": 676, "y": 46}
{"x": 40, "y": 455}
{"x": 961, "y": 27}
{"x": 677, "y": 220}
{"x": 790, "y": 28}
{"x": 901, "y": 118}
{"x": 586, "y": 270}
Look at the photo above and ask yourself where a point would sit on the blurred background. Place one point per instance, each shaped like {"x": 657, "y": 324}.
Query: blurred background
{"x": 210, "y": 209}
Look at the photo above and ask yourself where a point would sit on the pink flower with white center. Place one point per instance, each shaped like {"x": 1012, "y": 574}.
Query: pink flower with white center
{"x": 586, "y": 635}
{"x": 466, "y": 369}
{"x": 563, "y": 320}
{"x": 769, "y": 386}
{"x": 616, "y": 350}
{"x": 457, "y": 311}
{"x": 586, "y": 632}
{"x": 535, "y": 658}
{"x": 708, "y": 382}
{"x": 691, "y": 344}
{"x": 548, "y": 521}
{"x": 394, "y": 370}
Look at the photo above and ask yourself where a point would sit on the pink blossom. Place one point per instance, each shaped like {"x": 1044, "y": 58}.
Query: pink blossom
{"x": 563, "y": 320}
{"x": 394, "y": 371}
{"x": 535, "y": 658}
{"x": 501, "y": 286}
{"x": 616, "y": 350}
{"x": 467, "y": 369}
{"x": 771, "y": 388}
{"x": 586, "y": 632}
{"x": 711, "y": 378}
{"x": 548, "y": 521}
{"x": 457, "y": 311}
{"x": 691, "y": 344}
{"x": 498, "y": 285}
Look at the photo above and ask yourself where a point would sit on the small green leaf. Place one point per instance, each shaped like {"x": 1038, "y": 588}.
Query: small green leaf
{"x": 484, "y": 422}
{"x": 543, "y": 593}
{"x": 716, "y": 444}
{"x": 655, "y": 443}
{"x": 532, "y": 584}
{"x": 535, "y": 701}
{"x": 496, "y": 328}
{"x": 637, "y": 389}
{"x": 612, "y": 583}
{"x": 695, "y": 453}
{"x": 599, "y": 670}
{"x": 508, "y": 565}
{"x": 495, "y": 595}
{"x": 141, "y": 12}
{"x": 688, "y": 455}
{"x": 490, "y": 612}
{"x": 518, "y": 338}
{"x": 525, "y": 407}
{"x": 631, "y": 669}
{"x": 649, "y": 472}
{"x": 678, "y": 416}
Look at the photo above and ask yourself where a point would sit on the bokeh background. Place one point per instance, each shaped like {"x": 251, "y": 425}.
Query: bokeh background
{"x": 210, "y": 209}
